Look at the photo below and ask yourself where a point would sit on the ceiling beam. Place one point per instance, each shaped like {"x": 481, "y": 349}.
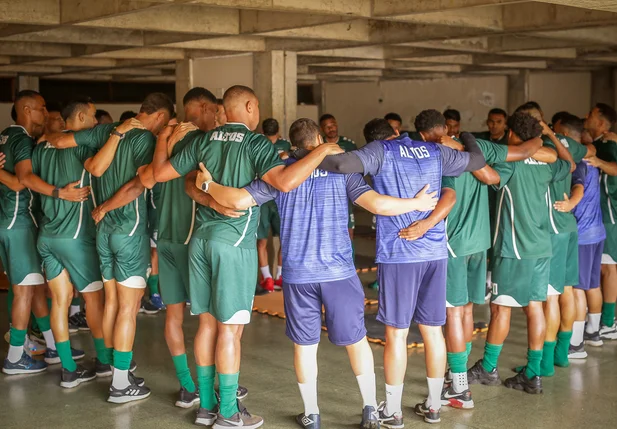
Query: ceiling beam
{"x": 37, "y": 12}
{"x": 384, "y": 8}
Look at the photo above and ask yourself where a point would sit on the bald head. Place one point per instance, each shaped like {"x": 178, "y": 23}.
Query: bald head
{"x": 31, "y": 112}
{"x": 241, "y": 105}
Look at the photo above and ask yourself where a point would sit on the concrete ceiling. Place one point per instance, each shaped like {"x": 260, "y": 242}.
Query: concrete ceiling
{"x": 140, "y": 40}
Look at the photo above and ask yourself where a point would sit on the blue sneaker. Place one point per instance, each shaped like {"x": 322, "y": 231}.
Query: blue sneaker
{"x": 370, "y": 418}
{"x": 25, "y": 365}
{"x": 156, "y": 301}
{"x": 52, "y": 357}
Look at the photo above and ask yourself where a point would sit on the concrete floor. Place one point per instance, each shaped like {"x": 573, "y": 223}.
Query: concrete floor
{"x": 585, "y": 395}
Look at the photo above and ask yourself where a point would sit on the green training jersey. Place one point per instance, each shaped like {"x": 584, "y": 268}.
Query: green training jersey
{"x": 607, "y": 151}
{"x": 176, "y": 209}
{"x": 282, "y": 145}
{"x": 486, "y": 135}
{"x": 235, "y": 156}
{"x": 61, "y": 218}
{"x": 522, "y": 230}
{"x": 346, "y": 144}
{"x": 16, "y": 208}
{"x": 468, "y": 226}
{"x": 134, "y": 151}
{"x": 561, "y": 222}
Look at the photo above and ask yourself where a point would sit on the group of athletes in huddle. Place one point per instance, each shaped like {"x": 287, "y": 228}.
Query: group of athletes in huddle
{"x": 537, "y": 199}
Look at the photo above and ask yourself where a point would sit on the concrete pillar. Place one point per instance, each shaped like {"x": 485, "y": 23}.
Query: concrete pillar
{"x": 518, "y": 90}
{"x": 184, "y": 82}
{"x": 275, "y": 81}
{"x": 27, "y": 82}
{"x": 603, "y": 86}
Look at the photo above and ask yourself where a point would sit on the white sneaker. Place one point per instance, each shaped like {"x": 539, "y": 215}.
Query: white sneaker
{"x": 608, "y": 332}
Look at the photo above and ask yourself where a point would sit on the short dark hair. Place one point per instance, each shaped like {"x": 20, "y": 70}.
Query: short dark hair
{"x": 237, "y": 90}
{"x": 498, "y": 111}
{"x": 452, "y": 114}
{"x": 75, "y": 106}
{"x": 558, "y": 117}
{"x": 607, "y": 112}
{"x": 128, "y": 114}
{"x": 572, "y": 123}
{"x": 100, "y": 113}
{"x": 533, "y": 105}
{"x": 377, "y": 129}
{"x": 429, "y": 119}
{"x": 325, "y": 117}
{"x": 26, "y": 93}
{"x": 530, "y": 105}
{"x": 54, "y": 106}
{"x": 303, "y": 133}
{"x": 155, "y": 102}
{"x": 393, "y": 117}
{"x": 270, "y": 127}
{"x": 198, "y": 93}
{"x": 219, "y": 101}
{"x": 525, "y": 126}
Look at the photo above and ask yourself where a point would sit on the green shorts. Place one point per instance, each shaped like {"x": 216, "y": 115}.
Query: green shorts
{"x": 124, "y": 258}
{"x": 268, "y": 219}
{"x": 78, "y": 257}
{"x": 20, "y": 259}
{"x": 466, "y": 280}
{"x": 610, "y": 244}
{"x": 516, "y": 282}
{"x": 173, "y": 272}
{"x": 564, "y": 262}
{"x": 222, "y": 280}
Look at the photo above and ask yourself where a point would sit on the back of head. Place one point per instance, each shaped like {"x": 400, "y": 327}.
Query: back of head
{"x": 128, "y": 114}
{"x": 557, "y": 117}
{"x": 533, "y": 105}
{"x": 54, "y": 106}
{"x": 498, "y": 111}
{"x": 607, "y": 112}
{"x": 452, "y": 114}
{"x": 237, "y": 94}
{"x": 573, "y": 124}
{"x": 378, "y": 129}
{"x": 74, "y": 107}
{"x": 155, "y": 102}
{"x": 429, "y": 119}
{"x": 393, "y": 117}
{"x": 199, "y": 94}
{"x": 525, "y": 126}
{"x": 531, "y": 108}
{"x": 304, "y": 133}
{"x": 100, "y": 113}
{"x": 270, "y": 127}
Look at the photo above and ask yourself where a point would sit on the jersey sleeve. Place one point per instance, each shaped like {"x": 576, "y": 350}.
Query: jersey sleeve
{"x": 263, "y": 155}
{"x": 372, "y": 157}
{"x": 22, "y": 149}
{"x": 580, "y": 174}
{"x": 94, "y": 138}
{"x": 36, "y": 159}
{"x": 187, "y": 159}
{"x": 453, "y": 162}
{"x": 447, "y": 182}
{"x": 356, "y": 186}
{"x": 143, "y": 148}
{"x": 561, "y": 169}
{"x": 505, "y": 171}
{"x": 577, "y": 150}
{"x": 84, "y": 153}
{"x": 493, "y": 152}
{"x": 261, "y": 192}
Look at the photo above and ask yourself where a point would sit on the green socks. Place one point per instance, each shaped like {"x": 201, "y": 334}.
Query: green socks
{"x": 457, "y": 362}
{"x": 608, "y": 313}
{"x": 66, "y": 357}
{"x": 491, "y": 356}
{"x": 468, "y": 347}
{"x": 18, "y": 337}
{"x": 534, "y": 360}
{"x": 122, "y": 360}
{"x": 547, "y": 365}
{"x": 153, "y": 284}
{"x": 561, "y": 350}
{"x": 183, "y": 372}
{"x": 228, "y": 387}
{"x": 44, "y": 323}
{"x": 103, "y": 354}
{"x": 205, "y": 379}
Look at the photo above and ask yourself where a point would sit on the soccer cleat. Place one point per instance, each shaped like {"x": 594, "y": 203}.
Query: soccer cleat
{"x": 577, "y": 352}
{"x": 102, "y": 369}
{"x": 187, "y": 399}
{"x": 131, "y": 393}
{"x": 430, "y": 415}
{"x": 206, "y": 417}
{"x": 52, "y": 357}
{"x": 608, "y": 332}
{"x": 456, "y": 400}
{"x": 25, "y": 365}
{"x": 520, "y": 381}
{"x": 395, "y": 421}
{"x": 593, "y": 339}
{"x": 278, "y": 284}
{"x": 478, "y": 375}
{"x": 242, "y": 419}
{"x": 268, "y": 284}
{"x": 71, "y": 379}
{"x": 157, "y": 301}
{"x": 147, "y": 307}
{"x": 370, "y": 418}
{"x": 242, "y": 392}
{"x": 309, "y": 422}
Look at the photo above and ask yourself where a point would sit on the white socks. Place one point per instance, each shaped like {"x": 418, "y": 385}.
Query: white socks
{"x": 120, "y": 379}
{"x": 459, "y": 382}
{"x": 394, "y": 398}
{"x": 279, "y": 272}
{"x": 74, "y": 309}
{"x": 265, "y": 272}
{"x": 49, "y": 340}
{"x": 593, "y": 324}
{"x": 366, "y": 382}
{"x": 308, "y": 391}
{"x": 577, "y": 333}
{"x": 435, "y": 386}
{"x": 15, "y": 353}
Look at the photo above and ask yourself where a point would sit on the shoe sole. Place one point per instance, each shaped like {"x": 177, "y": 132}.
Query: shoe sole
{"x": 73, "y": 330}
{"x": 611, "y": 336}
{"x": 594, "y": 343}
{"x": 426, "y": 419}
{"x": 241, "y": 397}
{"x": 369, "y": 425}
{"x": 392, "y": 426}
{"x": 84, "y": 329}
{"x": 73, "y": 384}
{"x": 523, "y": 389}
{"x": 150, "y": 312}
{"x": 486, "y": 383}
{"x": 255, "y": 426}
{"x": 22, "y": 371}
{"x": 187, "y": 405}
{"x": 104, "y": 374}
{"x": 205, "y": 422}
{"x": 127, "y": 399}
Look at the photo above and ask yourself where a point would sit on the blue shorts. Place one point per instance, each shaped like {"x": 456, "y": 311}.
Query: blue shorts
{"x": 344, "y": 304}
{"x": 414, "y": 291}
{"x": 589, "y": 263}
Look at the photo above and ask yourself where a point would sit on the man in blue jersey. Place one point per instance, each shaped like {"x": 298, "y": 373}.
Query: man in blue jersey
{"x": 412, "y": 273}
{"x": 317, "y": 260}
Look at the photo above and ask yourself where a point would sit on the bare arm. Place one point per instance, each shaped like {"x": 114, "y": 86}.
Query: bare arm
{"x": 385, "y": 205}
{"x": 11, "y": 181}
{"x": 125, "y": 195}
{"x": 201, "y": 198}
{"x": 524, "y": 150}
{"x": 545, "y": 154}
{"x": 607, "y": 167}
{"x": 591, "y": 150}
{"x": 417, "y": 229}
{"x": 70, "y": 192}
{"x": 162, "y": 170}
{"x": 486, "y": 175}
{"x": 60, "y": 140}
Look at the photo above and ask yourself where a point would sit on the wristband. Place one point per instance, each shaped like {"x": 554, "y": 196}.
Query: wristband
{"x": 205, "y": 186}
{"x": 115, "y": 132}
{"x": 55, "y": 193}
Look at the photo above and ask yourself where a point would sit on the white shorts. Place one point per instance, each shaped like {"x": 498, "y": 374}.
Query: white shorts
{"x": 608, "y": 260}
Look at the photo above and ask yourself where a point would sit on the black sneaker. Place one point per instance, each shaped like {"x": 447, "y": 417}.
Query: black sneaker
{"x": 577, "y": 352}
{"x": 187, "y": 399}
{"x": 73, "y": 324}
{"x": 370, "y": 418}
{"x": 430, "y": 415}
{"x": 83, "y": 323}
{"x": 242, "y": 392}
{"x": 52, "y": 357}
{"x": 520, "y": 381}
{"x": 456, "y": 400}
{"x": 478, "y": 375}
{"x": 593, "y": 339}
{"x": 101, "y": 369}
{"x": 206, "y": 417}
{"x": 138, "y": 381}
{"x": 147, "y": 307}
{"x": 25, "y": 365}
{"x": 132, "y": 393}
{"x": 309, "y": 422}
{"x": 447, "y": 377}
{"x": 242, "y": 419}
{"x": 37, "y": 335}
{"x": 133, "y": 366}
{"x": 69, "y": 379}
{"x": 395, "y": 421}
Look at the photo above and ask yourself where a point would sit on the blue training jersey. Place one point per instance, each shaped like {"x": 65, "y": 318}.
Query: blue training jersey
{"x": 315, "y": 242}
{"x": 588, "y": 212}
{"x": 401, "y": 168}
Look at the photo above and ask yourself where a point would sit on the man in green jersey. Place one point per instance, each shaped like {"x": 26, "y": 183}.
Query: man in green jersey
{"x": 122, "y": 236}
{"x": 269, "y": 215}
{"x": 453, "y": 122}
{"x": 598, "y": 123}
{"x": 222, "y": 251}
{"x": 497, "y": 127}
{"x": 522, "y": 250}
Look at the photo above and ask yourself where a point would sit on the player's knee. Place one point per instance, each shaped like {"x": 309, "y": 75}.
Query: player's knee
{"x": 398, "y": 335}
{"x": 455, "y": 313}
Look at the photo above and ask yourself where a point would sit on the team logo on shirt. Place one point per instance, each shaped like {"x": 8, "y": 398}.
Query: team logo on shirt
{"x": 318, "y": 173}
{"x": 414, "y": 152}
{"x": 227, "y": 137}
{"x": 4, "y": 139}
{"x": 564, "y": 142}
{"x": 531, "y": 161}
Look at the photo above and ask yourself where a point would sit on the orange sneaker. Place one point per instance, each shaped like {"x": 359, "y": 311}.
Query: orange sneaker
{"x": 268, "y": 284}
{"x": 278, "y": 284}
